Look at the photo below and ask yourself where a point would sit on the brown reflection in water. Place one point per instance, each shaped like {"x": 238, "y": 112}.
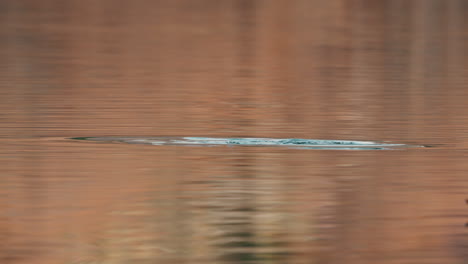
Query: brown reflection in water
{"x": 354, "y": 69}
{"x": 360, "y": 69}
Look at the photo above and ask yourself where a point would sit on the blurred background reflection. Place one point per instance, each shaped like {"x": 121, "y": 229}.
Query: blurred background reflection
{"x": 386, "y": 70}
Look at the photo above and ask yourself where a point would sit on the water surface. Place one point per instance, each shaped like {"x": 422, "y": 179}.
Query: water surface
{"x": 253, "y": 142}
{"x": 391, "y": 72}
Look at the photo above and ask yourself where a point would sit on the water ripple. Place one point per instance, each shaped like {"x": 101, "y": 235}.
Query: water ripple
{"x": 259, "y": 142}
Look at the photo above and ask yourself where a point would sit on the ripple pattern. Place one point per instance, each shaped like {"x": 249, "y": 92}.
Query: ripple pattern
{"x": 256, "y": 142}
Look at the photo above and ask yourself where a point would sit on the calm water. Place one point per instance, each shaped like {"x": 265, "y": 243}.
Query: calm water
{"x": 390, "y": 71}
